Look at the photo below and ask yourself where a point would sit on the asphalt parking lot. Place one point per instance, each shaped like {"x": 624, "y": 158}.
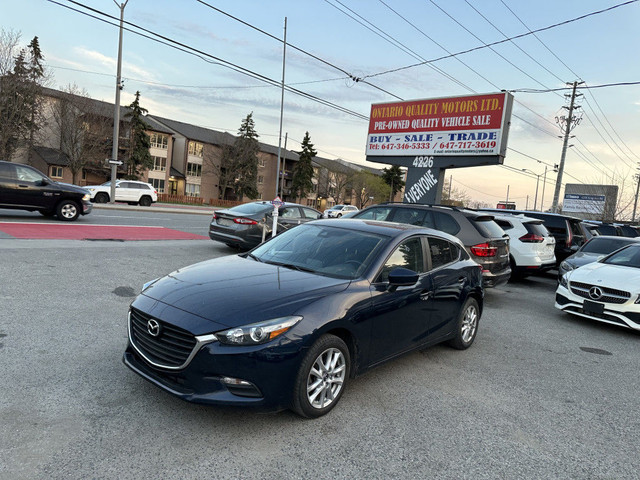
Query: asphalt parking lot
{"x": 539, "y": 395}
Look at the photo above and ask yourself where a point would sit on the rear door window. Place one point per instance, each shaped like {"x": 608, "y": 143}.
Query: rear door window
{"x": 536, "y": 229}
{"x": 412, "y": 216}
{"x": 8, "y": 171}
{"x": 375, "y": 213}
{"x": 442, "y": 252}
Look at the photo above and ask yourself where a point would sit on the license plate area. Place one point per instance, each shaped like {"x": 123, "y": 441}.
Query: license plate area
{"x": 224, "y": 222}
{"x": 593, "y": 307}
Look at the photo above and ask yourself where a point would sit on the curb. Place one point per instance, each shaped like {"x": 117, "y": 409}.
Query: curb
{"x": 167, "y": 208}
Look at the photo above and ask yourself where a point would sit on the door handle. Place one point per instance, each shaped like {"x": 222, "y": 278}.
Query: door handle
{"x": 23, "y": 186}
{"x": 426, "y": 295}
{"x": 461, "y": 280}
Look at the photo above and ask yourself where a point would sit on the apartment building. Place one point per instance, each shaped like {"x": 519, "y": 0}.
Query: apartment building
{"x": 186, "y": 157}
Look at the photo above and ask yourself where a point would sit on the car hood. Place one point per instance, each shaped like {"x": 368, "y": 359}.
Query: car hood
{"x": 582, "y": 258}
{"x": 233, "y": 290}
{"x": 69, "y": 187}
{"x": 606, "y": 275}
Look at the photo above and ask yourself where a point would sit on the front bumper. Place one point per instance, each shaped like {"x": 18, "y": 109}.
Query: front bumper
{"x": 86, "y": 208}
{"x": 615, "y": 314}
{"x": 271, "y": 369}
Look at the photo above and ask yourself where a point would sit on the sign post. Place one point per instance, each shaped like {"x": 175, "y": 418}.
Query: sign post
{"x": 277, "y": 203}
{"x": 429, "y": 136}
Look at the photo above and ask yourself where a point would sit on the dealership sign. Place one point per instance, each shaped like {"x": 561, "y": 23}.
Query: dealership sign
{"x": 580, "y": 203}
{"x": 429, "y": 136}
{"x": 471, "y": 125}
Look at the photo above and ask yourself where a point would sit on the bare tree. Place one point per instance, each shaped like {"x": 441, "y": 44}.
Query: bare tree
{"x": 9, "y": 40}
{"x": 83, "y": 134}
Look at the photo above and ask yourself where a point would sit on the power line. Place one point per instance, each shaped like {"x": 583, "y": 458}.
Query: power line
{"x": 522, "y": 35}
{"x": 203, "y": 55}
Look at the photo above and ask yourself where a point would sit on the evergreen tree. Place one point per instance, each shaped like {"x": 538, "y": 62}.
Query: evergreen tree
{"x": 245, "y": 158}
{"x": 393, "y": 177}
{"x": 302, "y": 182}
{"x": 20, "y": 99}
{"x": 139, "y": 142}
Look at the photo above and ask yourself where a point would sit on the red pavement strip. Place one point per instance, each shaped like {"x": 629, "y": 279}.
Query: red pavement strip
{"x": 63, "y": 231}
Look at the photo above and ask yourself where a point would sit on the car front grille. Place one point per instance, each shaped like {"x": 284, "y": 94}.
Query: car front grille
{"x": 171, "y": 348}
{"x": 609, "y": 295}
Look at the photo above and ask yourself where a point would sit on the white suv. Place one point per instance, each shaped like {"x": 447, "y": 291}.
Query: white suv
{"x": 339, "y": 210}
{"x": 531, "y": 245}
{"x": 130, "y": 191}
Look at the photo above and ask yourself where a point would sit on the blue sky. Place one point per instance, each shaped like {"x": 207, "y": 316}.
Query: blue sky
{"x": 600, "y": 49}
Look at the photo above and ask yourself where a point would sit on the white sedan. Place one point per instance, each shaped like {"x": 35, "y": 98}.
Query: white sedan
{"x": 607, "y": 290}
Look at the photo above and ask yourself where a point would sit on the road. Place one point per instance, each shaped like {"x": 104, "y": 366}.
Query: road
{"x": 539, "y": 395}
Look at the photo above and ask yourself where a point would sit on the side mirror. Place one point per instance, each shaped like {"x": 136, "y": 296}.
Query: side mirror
{"x": 44, "y": 182}
{"x": 402, "y": 277}
{"x": 319, "y": 215}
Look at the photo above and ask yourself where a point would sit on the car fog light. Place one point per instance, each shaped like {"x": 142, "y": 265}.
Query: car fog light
{"x": 637, "y": 300}
{"x": 235, "y": 381}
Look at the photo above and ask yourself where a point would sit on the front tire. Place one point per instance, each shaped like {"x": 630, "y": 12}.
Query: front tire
{"x": 101, "y": 198}
{"x": 322, "y": 377}
{"x": 467, "y": 326}
{"x": 68, "y": 210}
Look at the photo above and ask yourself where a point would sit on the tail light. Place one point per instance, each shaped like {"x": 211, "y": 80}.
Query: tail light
{"x": 214, "y": 215}
{"x": 245, "y": 221}
{"x": 569, "y": 236}
{"x": 531, "y": 238}
{"x": 484, "y": 250}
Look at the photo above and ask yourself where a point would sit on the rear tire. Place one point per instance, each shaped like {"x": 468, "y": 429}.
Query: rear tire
{"x": 322, "y": 377}
{"x": 101, "y": 198}
{"x": 145, "y": 201}
{"x": 467, "y": 326}
{"x": 68, "y": 210}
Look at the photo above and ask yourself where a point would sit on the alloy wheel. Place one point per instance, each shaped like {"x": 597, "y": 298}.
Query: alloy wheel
{"x": 326, "y": 378}
{"x": 469, "y": 323}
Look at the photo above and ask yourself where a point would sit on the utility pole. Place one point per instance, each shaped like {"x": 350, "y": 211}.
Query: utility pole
{"x": 116, "y": 112}
{"x": 635, "y": 202}
{"x": 284, "y": 56}
{"x": 569, "y": 123}
{"x": 507, "y": 200}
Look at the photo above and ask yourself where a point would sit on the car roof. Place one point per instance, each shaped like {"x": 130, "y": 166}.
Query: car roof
{"x": 521, "y": 217}
{"x": 391, "y": 229}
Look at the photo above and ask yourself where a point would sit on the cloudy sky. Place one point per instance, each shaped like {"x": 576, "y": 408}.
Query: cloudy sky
{"x": 211, "y": 63}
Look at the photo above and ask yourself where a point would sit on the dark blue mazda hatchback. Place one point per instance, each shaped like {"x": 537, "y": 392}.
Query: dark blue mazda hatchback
{"x": 288, "y": 323}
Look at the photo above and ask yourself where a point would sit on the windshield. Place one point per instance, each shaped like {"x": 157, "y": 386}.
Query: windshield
{"x": 106, "y": 184}
{"x": 604, "y": 245}
{"x": 321, "y": 249}
{"x": 627, "y": 257}
{"x": 337, "y": 207}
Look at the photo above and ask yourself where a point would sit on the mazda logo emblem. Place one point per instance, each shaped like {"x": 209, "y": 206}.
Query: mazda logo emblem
{"x": 153, "y": 327}
{"x": 595, "y": 293}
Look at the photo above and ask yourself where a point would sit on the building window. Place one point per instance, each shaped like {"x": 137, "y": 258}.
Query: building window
{"x": 194, "y": 169}
{"x": 195, "y": 148}
{"x": 159, "y": 140}
{"x": 192, "y": 190}
{"x": 56, "y": 172}
{"x": 261, "y": 162}
{"x": 159, "y": 164}
{"x": 158, "y": 184}
{"x": 260, "y": 179}
{"x": 84, "y": 175}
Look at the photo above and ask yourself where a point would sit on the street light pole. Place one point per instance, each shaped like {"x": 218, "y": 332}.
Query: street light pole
{"x": 116, "y": 111}
{"x": 535, "y": 200}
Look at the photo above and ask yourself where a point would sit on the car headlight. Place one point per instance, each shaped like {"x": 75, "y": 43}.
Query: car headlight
{"x": 637, "y": 302}
{"x": 257, "y": 333}
{"x": 564, "y": 281}
{"x": 566, "y": 266}
{"x": 86, "y": 197}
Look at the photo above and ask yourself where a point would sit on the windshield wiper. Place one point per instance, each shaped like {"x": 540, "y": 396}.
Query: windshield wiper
{"x": 293, "y": 267}
{"x": 252, "y": 256}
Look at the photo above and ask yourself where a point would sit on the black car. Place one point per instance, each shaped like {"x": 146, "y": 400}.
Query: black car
{"x": 566, "y": 230}
{"x": 249, "y": 224}
{"x": 22, "y": 187}
{"x": 594, "y": 249}
{"x": 484, "y": 240}
{"x": 289, "y": 323}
